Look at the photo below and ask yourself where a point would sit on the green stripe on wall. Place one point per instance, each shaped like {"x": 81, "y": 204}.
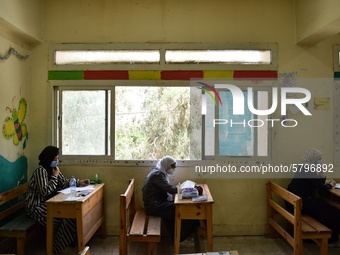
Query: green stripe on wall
{"x": 66, "y": 75}
{"x": 336, "y": 75}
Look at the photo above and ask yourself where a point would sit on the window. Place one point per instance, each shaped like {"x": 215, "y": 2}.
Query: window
{"x": 80, "y": 57}
{"x": 143, "y": 113}
{"x": 164, "y": 57}
{"x": 218, "y": 56}
{"x": 336, "y": 54}
{"x": 151, "y": 122}
{"x": 227, "y": 134}
{"x": 84, "y": 122}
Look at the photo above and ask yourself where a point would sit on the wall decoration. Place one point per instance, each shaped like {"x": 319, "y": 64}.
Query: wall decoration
{"x": 14, "y": 126}
{"x": 12, "y": 51}
{"x": 13, "y": 173}
{"x": 179, "y": 75}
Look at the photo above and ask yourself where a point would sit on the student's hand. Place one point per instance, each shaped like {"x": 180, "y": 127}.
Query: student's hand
{"x": 332, "y": 182}
{"x": 55, "y": 171}
{"x": 84, "y": 182}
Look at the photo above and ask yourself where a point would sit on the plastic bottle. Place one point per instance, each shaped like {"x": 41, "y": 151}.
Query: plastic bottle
{"x": 179, "y": 191}
{"x": 73, "y": 186}
{"x": 97, "y": 179}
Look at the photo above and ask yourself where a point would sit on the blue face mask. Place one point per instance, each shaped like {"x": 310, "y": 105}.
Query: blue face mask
{"x": 54, "y": 164}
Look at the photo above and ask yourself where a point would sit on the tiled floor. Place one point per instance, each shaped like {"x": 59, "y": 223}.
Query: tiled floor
{"x": 245, "y": 245}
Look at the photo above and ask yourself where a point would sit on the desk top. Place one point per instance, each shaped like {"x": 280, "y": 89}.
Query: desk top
{"x": 212, "y": 253}
{"x": 206, "y": 192}
{"x": 335, "y": 192}
{"x": 60, "y": 198}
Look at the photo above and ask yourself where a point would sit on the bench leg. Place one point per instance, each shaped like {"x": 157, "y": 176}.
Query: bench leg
{"x": 151, "y": 248}
{"x": 20, "y": 246}
{"x": 122, "y": 245}
{"x": 298, "y": 248}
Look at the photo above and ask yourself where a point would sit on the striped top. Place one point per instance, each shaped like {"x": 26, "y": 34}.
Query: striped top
{"x": 42, "y": 187}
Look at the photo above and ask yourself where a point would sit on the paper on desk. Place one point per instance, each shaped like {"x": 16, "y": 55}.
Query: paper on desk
{"x": 199, "y": 198}
{"x": 337, "y": 186}
{"x": 218, "y": 253}
{"x": 68, "y": 190}
{"x": 70, "y": 198}
{"x": 188, "y": 184}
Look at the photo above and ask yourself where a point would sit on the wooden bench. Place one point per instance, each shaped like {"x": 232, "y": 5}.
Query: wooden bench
{"x": 13, "y": 220}
{"x": 304, "y": 226}
{"x": 135, "y": 225}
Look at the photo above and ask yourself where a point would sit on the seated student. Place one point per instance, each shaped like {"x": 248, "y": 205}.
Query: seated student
{"x": 309, "y": 185}
{"x": 45, "y": 182}
{"x": 158, "y": 197}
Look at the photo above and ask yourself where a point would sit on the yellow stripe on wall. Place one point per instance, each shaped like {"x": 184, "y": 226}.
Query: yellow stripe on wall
{"x": 144, "y": 75}
{"x": 218, "y": 74}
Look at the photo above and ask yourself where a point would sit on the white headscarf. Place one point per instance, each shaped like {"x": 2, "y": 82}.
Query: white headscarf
{"x": 312, "y": 156}
{"x": 165, "y": 163}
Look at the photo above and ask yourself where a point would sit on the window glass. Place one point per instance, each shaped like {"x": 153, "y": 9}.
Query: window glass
{"x": 84, "y": 122}
{"x": 218, "y": 56}
{"x": 227, "y": 134}
{"x": 151, "y": 122}
{"x": 236, "y": 138}
{"x": 79, "y": 57}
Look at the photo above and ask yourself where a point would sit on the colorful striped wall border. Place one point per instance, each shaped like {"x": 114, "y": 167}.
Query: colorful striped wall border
{"x": 158, "y": 75}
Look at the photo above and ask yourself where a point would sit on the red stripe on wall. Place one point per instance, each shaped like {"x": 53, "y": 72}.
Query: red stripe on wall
{"x": 255, "y": 74}
{"x": 106, "y": 75}
{"x": 180, "y": 75}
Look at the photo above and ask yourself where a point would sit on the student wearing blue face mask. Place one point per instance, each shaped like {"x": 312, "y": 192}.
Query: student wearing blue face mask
{"x": 158, "y": 197}
{"x": 44, "y": 183}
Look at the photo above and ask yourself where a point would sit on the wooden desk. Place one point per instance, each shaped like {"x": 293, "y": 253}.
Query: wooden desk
{"x": 88, "y": 212}
{"x": 334, "y": 198}
{"x": 218, "y": 252}
{"x": 187, "y": 209}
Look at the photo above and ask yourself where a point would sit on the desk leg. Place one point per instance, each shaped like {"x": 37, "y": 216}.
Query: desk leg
{"x": 178, "y": 222}
{"x": 80, "y": 230}
{"x": 103, "y": 226}
{"x": 49, "y": 230}
{"x": 209, "y": 227}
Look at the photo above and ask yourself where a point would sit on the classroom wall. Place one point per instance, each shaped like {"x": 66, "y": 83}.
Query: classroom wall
{"x": 20, "y": 28}
{"x": 239, "y": 207}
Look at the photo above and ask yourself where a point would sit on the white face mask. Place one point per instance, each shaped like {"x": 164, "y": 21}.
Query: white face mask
{"x": 171, "y": 171}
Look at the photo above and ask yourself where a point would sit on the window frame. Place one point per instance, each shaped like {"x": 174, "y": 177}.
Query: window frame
{"x": 58, "y": 121}
{"x": 258, "y": 85}
{"x": 270, "y": 132}
{"x": 162, "y": 48}
{"x": 336, "y": 57}
{"x": 110, "y": 84}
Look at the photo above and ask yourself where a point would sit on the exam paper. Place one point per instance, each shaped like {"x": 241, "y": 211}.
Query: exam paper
{"x": 68, "y": 190}
{"x": 70, "y": 198}
{"x": 218, "y": 253}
